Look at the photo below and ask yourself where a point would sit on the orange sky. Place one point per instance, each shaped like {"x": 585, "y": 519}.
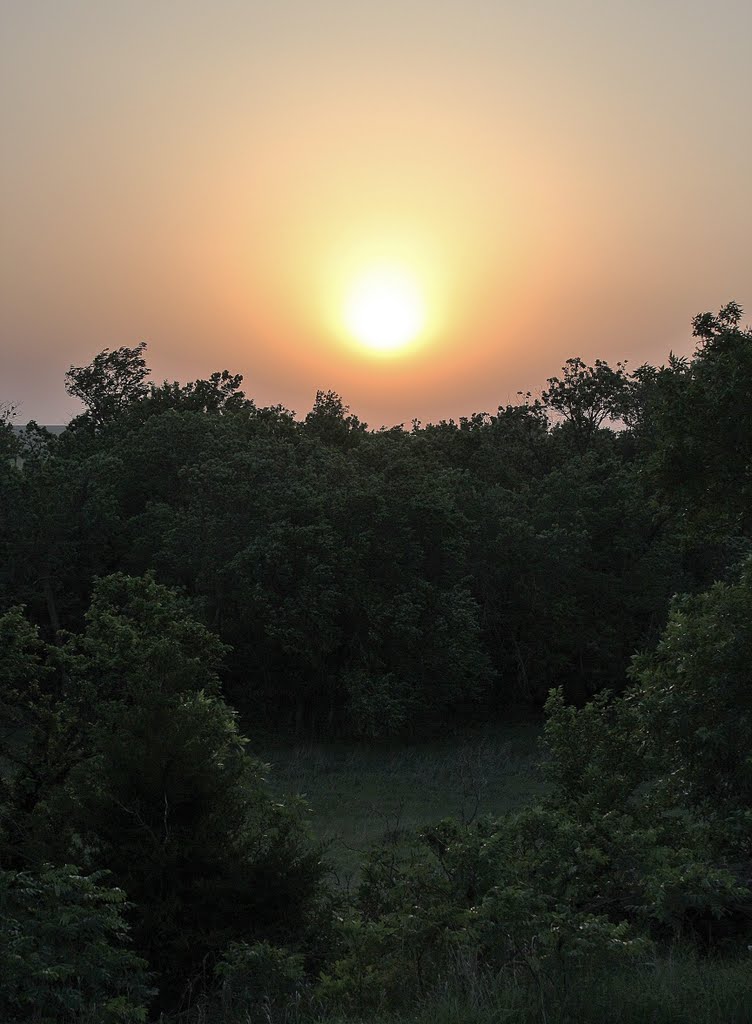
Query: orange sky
{"x": 563, "y": 178}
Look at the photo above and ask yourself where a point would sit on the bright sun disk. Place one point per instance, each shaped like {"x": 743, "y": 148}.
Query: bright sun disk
{"x": 385, "y": 310}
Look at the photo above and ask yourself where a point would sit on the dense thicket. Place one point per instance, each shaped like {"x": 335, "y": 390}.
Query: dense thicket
{"x": 179, "y": 557}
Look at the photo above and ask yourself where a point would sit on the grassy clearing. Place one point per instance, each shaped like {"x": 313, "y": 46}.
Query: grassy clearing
{"x": 360, "y": 795}
{"x": 674, "y": 989}
{"x": 677, "y": 987}
{"x": 671, "y": 991}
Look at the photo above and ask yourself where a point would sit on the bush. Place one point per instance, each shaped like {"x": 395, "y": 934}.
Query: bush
{"x": 516, "y": 895}
{"x": 259, "y": 982}
{"x": 64, "y": 954}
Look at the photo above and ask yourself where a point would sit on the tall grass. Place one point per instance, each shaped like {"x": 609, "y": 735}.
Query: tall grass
{"x": 365, "y": 794}
{"x": 678, "y": 988}
{"x": 675, "y": 989}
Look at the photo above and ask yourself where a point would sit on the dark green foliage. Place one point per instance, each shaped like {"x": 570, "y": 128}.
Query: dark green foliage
{"x": 259, "y": 982}
{"x": 643, "y": 839}
{"x": 368, "y": 583}
{"x": 670, "y": 761}
{"x": 64, "y": 951}
{"x": 695, "y": 702}
{"x": 651, "y": 859}
{"x": 506, "y": 895}
{"x": 131, "y": 760}
{"x": 698, "y": 418}
{"x": 378, "y": 583}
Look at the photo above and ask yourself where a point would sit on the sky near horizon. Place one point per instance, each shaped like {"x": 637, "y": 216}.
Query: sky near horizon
{"x": 556, "y": 178}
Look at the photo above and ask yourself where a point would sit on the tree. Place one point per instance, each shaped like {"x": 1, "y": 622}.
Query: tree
{"x": 331, "y": 420}
{"x": 41, "y": 737}
{"x": 8, "y": 440}
{"x": 155, "y": 785}
{"x": 695, "y": 700}
{"x": 63, "y": 523}
{"x": 220, "y": 393}
{"x": 111, "y": 382}
{"x": 700, "y": 425}
{"x": 586, "y": 396}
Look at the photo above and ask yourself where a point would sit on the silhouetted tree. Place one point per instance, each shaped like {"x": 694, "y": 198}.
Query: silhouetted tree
{"x": 586, "y": 396}
{"x": 109, "y": 383}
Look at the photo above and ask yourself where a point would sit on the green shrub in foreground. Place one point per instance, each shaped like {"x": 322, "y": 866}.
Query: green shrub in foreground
{"x": 64, "y": 952}
{"x": 259, "y": 981}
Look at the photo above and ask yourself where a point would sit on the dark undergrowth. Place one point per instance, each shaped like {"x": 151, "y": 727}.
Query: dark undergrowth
{"x": 678, "y": 988}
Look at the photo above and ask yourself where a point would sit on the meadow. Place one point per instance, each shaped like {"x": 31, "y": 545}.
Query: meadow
{"x": 680, "y": 988}
{"x": 360, "y": 795}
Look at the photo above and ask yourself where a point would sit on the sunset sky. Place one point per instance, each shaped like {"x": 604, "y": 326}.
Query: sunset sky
{"x": 234, "y": 181}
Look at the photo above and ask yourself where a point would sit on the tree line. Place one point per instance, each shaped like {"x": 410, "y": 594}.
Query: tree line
{"x": 373, "y": 583}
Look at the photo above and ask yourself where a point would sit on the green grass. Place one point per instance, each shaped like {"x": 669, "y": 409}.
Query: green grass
{"x": 676, "y": 987}
{"x": 673, "y": 989}
{"x": 361, "y": 794}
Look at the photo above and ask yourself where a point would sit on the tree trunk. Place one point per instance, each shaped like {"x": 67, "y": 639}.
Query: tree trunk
{"x": 49, "y": 597}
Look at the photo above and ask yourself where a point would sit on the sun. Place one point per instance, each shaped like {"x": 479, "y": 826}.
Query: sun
{"x": 384, "y": 309}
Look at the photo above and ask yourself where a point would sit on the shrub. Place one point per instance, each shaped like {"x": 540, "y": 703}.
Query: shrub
{"x": 259, "y": 981}
{"x": 64, "y": 954}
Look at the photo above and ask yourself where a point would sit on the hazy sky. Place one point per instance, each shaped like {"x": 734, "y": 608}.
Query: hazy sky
{"x": 561, "y": 178}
